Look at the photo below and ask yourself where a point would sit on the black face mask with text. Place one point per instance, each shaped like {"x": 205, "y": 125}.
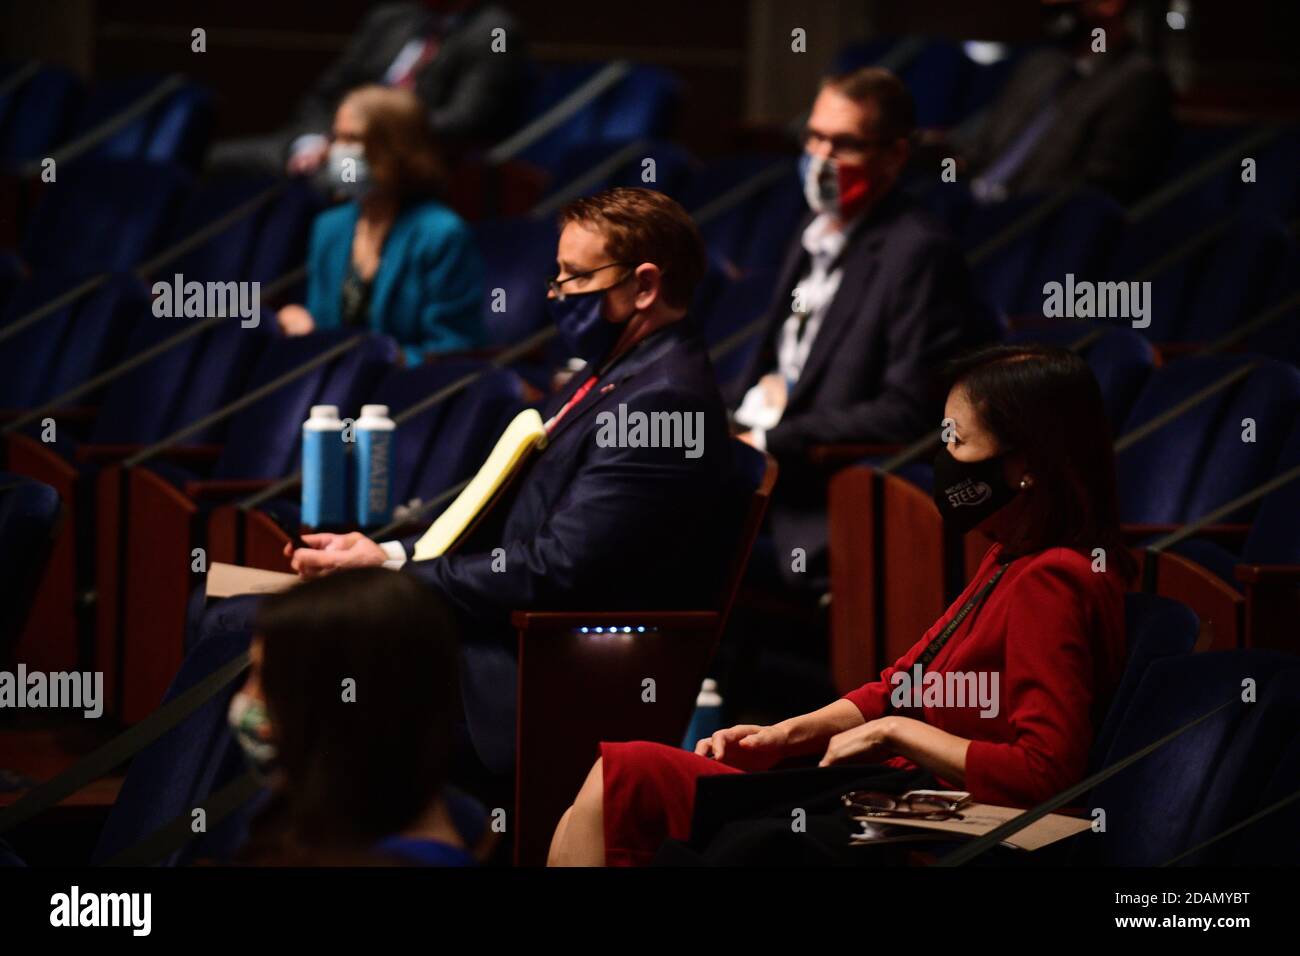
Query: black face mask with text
{"x": 967, "y": 492}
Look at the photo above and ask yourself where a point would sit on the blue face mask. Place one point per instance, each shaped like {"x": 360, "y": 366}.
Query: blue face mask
{"x": 583, "y": 329}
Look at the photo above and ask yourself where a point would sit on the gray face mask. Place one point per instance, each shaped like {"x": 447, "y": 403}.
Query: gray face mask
{"x": 347, "y": 171}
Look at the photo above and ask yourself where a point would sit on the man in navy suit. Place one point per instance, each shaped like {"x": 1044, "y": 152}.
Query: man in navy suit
{"x": 873, "y": 297}
{"x": 603, "y": 518}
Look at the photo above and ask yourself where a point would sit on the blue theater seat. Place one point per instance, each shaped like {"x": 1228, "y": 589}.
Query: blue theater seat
{"x": 1272, "y": 840}
{"x": 1206, "y": 295}
{"x": 518, "y": 256}
{"x": 1155, "y": 627}
{"x": 1188, "y": 790}
{"x": 640, "y": 105}
{"x": 1276, "y": 190}
{"x": 225, "y": 256}
{"x": 607, "y": 163}
{"x": 34, "y": 118}
{"x": 29, "y": 515}
{"x": 1073, "y": 239}
{"x": 68, "y": 346}
{"x": 173, "y": 389}
{"x": 1163, "y": 478}
{"x": 283, "y": 229}
{"x": 103, "y": 217}
{"x": 1281, "y": 337}
{"x": 175, "y": 130}
{"x": 736, "y": 304}
{"x": 756, "y": 231}
{"x": 1254, "y": 579}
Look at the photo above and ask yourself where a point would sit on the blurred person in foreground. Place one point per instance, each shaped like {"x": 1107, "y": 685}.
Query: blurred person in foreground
{"x": 392, "y": 258}
{"x": 348, "y": 713}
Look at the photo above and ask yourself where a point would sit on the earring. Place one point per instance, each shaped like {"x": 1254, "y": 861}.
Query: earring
{"x": 1026, "y": 482}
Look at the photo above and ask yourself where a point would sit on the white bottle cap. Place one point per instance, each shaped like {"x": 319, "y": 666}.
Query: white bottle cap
{"x": 327, "y": 412}
{"x": 710, "y": 686}
{"x": 374, "y": 411}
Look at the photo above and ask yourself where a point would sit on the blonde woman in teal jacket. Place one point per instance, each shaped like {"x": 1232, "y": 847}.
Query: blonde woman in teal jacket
{"x": 393, "y": 259}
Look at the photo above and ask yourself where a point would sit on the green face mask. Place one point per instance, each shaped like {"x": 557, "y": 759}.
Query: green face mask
{"x": 251, "y": 725}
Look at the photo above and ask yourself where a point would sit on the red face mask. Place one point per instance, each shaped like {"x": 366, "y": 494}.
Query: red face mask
{"x": 833, "y": 186}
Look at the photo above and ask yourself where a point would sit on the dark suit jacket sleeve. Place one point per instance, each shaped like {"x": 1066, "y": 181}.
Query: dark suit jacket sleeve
{"x": 315, "y": 113}
{"x": 928, "y": 321}
{"x": 486, "y": 80}
{"x": 623, "y": 500}
{"x": 1129, "y": 138}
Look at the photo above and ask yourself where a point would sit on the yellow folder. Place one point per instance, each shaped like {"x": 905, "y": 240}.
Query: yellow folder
{"x": 521, "y": 437}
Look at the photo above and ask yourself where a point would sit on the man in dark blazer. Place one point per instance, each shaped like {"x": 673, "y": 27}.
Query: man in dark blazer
{"x": 1095, "y": 109}
{"x": 464, "y": 59}
{"x": 601, "y": 519}
{"x": 873, "y": 297}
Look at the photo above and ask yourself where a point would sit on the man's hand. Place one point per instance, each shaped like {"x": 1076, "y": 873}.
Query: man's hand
{"x": 745, "y": 746}
{"x": 866, "y": 744}
{"x": 307, "y": 160}
{"x": 295, "y": 320}
{"x": 774, "y": 390}
{"x": 330, "y": 552}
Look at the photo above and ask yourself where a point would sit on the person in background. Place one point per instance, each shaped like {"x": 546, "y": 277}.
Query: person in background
{"x": 873, "y": 297}
{"x": 393, "y": 259}
{"x": 1071, "y": 113}
{"x": 348, "y": 713}
{"x": 468, "y": 78}
{"x": 1029, "y": 460}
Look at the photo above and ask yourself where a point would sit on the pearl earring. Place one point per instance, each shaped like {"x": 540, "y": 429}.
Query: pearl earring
{"x": 1026, "y": 482}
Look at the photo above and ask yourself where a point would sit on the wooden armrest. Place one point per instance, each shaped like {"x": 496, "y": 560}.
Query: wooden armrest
{"x": 1267, "y": 573}
{"x": 100, "y": 454}
{"x": 830, "y": 455}
{"x": 110, "y": 453}
{"x": 70, "y": 413}
{"x": 1231, "y": 535}
{"x": 565, "y": 620}
{"x": 229, "y": 488}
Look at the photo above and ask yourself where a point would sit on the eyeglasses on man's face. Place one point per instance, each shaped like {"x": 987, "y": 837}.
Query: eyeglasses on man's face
{"x": 846, "y": 147}
{"x": 555, "y": 285}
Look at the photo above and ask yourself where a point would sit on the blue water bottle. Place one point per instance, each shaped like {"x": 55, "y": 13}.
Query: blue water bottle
{"x": 374, "y": 466}
{"x": 707, "y": 719}
{"x": 324, "y": 469}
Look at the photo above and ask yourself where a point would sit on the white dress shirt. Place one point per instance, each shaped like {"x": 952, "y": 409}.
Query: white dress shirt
{"x": 824, "y": 240}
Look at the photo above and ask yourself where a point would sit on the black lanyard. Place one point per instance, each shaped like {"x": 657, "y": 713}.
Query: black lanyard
{"x": 935, "y": 646}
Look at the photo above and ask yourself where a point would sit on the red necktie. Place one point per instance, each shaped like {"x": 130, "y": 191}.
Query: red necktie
{"x": 407, "y": 80}
{"x": 574, "y": 399}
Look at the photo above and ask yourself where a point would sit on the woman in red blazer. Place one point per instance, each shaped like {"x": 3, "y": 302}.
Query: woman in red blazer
{"x": 1001, "y": 696}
